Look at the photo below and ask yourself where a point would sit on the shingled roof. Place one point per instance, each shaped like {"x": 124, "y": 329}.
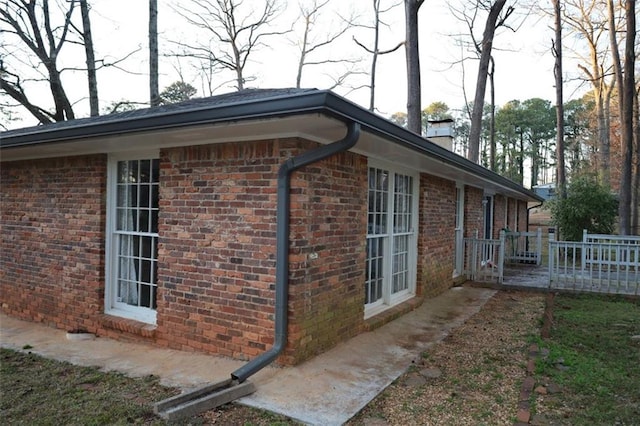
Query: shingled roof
{"x": 247, "y": 105}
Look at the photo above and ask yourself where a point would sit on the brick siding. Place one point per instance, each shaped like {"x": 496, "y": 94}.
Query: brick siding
{"x": 436, "y": 238}
{"x": 499, "y": 215}
{"x": 328, "y": 252}
{"x": 473, "y": 219}
{"x": 217, "y": 247}
{"x": 52, "y": 240}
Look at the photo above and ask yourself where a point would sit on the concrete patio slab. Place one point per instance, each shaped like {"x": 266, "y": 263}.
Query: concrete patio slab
{"x": 326, "y": 390}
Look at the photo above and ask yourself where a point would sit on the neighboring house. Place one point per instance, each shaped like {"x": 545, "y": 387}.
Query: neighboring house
{"x": 164, "y": 225}
{"x": 547, "y": 191}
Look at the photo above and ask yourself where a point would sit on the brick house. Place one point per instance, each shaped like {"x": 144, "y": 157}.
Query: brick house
{"x": 177, "y": 225}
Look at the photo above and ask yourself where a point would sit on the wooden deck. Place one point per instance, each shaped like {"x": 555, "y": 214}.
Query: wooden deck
{"x": 536, "y": 278}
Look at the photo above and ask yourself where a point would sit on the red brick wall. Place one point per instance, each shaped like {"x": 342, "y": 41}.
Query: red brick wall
{"x": 522, "y": 216}
{"x": 473, "y": 220}
{"x": 499, "y": 215}
{"x": 511, "y": 219}
{"x": 216, "y": 262}
{"x": 52, "y": 240}
{"x": 216, "y": 253}
{"x": 327, "y": 257}
{"x": 218, "y": 244}
{"x": 436, "y": 238}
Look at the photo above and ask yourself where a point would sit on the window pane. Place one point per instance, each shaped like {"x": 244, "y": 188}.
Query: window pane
{"x": 400, "y": 263}
{"x": 374, "y": 273}
{"x": 137, "y": 198}
{"x": 145, "y": 171}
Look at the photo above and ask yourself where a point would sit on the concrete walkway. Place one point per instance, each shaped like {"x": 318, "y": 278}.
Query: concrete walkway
{"x": 326, "y": 390}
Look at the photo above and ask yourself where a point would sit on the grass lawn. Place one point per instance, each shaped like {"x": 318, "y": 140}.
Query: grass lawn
{"x": 591, "y": 356}
{"x": 594, "y": 358}
{"x": 37, "y": 390}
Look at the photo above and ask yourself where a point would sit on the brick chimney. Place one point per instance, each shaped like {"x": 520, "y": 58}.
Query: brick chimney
{"x": 440, "y": 132}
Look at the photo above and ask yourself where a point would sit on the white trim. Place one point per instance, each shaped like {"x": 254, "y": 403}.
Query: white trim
{"x": 488, "y": 202}
{"x": 458, "y": 255}
{"x": 111, "y": 306}
{"x": 390, "y": 299}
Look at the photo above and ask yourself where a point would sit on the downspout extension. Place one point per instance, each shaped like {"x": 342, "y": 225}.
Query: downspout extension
{"x": 282, "y": 245}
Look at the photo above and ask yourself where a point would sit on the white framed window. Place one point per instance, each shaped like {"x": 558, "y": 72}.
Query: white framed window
{"x": 391, "y": 237}
{"x": 132, "y": 236}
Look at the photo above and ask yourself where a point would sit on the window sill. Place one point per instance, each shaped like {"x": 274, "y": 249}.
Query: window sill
{"x": 379, "y": 319}
{"x": 127, "y": 325}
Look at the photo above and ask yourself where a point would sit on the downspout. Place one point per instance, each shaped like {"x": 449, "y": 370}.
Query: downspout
{"x": 282, "y": 245}
{"x": 529, "y": 212}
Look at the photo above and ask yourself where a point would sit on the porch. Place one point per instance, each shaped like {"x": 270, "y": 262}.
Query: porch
{"x": 606, "y": 264}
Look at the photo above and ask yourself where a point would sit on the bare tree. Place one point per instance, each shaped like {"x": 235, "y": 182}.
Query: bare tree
{"x": 30, "y": 22}
{"x": 628, "y": 93}
{"x": 495, "y": 19}
{"x": 92, "y": 79}
{"x": 557, "y": 72}
{"x": 235, "y": 29}
{"x": 635, "y": 194}
{"x": 414, "y": 112}
{"x": 587, "y": 20}
{"x": 154, "y": 90}
{"x": 310, "y": 43}
{"x": 375, "y": 50}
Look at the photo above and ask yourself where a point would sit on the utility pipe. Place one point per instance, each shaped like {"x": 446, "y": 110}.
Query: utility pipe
{"x": 282, "y": 245}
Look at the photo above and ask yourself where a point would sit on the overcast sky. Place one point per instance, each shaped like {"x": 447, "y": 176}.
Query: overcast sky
{"x": 524, "y": 63}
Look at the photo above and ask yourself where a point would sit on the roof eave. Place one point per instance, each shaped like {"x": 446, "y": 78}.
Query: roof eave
{"x": 318, "y": 101}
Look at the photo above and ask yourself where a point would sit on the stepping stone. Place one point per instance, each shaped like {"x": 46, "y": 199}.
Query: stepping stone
{"x": 541, "y": 390}
{"x": 552, "y": 388}
{"x": 415, "y": 381}
{"x": 431, "y": 373}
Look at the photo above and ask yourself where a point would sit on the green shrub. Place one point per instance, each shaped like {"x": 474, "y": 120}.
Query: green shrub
{"x": 588, "y": 205}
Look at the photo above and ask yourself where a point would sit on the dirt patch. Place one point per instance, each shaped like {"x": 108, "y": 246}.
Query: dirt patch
{"x": 482, "y": 366}
{"x": 472, "y": 377}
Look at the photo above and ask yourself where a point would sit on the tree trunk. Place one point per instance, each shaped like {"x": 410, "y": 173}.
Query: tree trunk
{"x": 154, "y": 88}
{"x": 561, "y": 181}
{"x": 414, "y": 117}
{"x": 94, "y": 108}
{"x": 492, "y": 122}
{"x": 521, "y": 159}
{"x": 604, "y": 148}
{"x": 628, "y": 87}
{"x": 481, "y": 83}
{"x": 635, "y": 192}
{"x": 374, "y": 59}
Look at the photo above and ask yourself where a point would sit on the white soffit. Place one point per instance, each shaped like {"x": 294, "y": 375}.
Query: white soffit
{"x": 316, "y": 127}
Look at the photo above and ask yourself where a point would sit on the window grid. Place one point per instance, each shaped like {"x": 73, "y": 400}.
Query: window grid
{"x": 137, "y": 232}
{"x": 375, "y": 250}
{"x": 378, "y": 201}
{"x": 384, "y": 185}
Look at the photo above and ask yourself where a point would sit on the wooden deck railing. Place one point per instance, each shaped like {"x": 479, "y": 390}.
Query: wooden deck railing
{"x": 484, "y": 261}
{"x": 599, "y": 263}
{"x": 523, "y": 247}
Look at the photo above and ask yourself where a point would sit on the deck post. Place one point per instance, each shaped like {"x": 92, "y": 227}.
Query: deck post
{"x": 552, "y": 255}
{"x": 539, "y": 246}
{"x": 501, "y": 257}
